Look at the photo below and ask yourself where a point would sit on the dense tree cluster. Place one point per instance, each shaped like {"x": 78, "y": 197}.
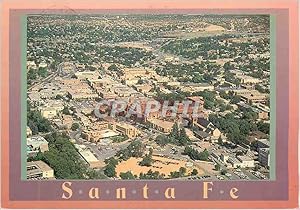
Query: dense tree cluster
{"x": 134, "y": 149}
{"x": 177, "y": 137}
{"x": 177, "y": 174}
{"x": 151, "y": 175}
{"x": 36, "y": 122}
{"x": 147, "y": 160}
{"x": 235, "y": 128}
{"x": 127, "y": 175}
{"x": 214, "y": 47}
{"x": 64, "y": 159}
{"x": 75, "y": 126}
{"x": 196, "y": 155}
{"x": 110, "y": 168}
{"x": 231, "y": 96}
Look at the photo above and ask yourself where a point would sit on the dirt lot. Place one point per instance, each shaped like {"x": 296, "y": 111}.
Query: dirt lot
{"x": 162, "y": 164}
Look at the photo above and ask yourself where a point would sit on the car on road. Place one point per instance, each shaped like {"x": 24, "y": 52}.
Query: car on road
{"x": 228, "y": 175}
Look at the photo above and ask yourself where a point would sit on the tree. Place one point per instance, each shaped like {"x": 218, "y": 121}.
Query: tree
{"x": 37, "y": 123}
{"x": 220, "y": 141}
{"x": 235, "y": 99}
{"x": 113, "y": 67}
{"x": 134, "y": 149}
{"x": 63, "y": 158}
{"x": 196, "y": 155}
{"x": 110, "y": 169}
{"x": 151, "y": 175}
{"x": 32, "y": 74}
{"x": 183, "y": 139}
{"x": 194, "y": 172}
{"x": 75, "y": 126}
{"x": 182, "y": 171}
{"x": 33, "y": 127}
{"x": 93, "y": 174}
{"x": 217, "y": 167}
{"x": 66, "y": 111}
{"x": 174, "y": 131}
{"x": 42, "y": 72}
{"x": 175, "y": 174}
{"x": 127, "y": 175}
{"x": 58, "y": 97}
{"x": 263, "y": 127}
{"x": 147, "y": 161}
{"x": 223, "y": 171}
{"x": 162, "y": 140}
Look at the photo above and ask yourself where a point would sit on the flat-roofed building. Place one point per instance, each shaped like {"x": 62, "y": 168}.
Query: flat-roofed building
{"x": 82, "y": 94}
{"x": 242, "y": 91}
{"x": 224, "y": 157}
{"x": 131, "y": 73}
{"x": 144, "y": 88}
{"x": 263, "y": 143}
{"x": 247, "y": 162}
{"x": 245, "y": 79}
{"x": 106, "y": 94}
{"x": 37, "y": 170}
{"x": 195, "y": 87}
{"x": 264, "y": 157}
{"x": 124, "y": 91}
{"x": 67, "y": 121}
{"x": 105, "y": 83}
{"x": 48, "y": 112}
{"x": 37, "y": 143}
{"x": 254, "y": 96}
{"x": 87, "y": 75}
{"x": 161, "y": 125}
{"x": 126, "y": 129}
{"x": 88, "y": 156}
{"x": 235, "y": 163}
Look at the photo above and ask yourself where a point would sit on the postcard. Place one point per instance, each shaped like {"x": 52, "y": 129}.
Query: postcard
{"x": 139, "y": 104}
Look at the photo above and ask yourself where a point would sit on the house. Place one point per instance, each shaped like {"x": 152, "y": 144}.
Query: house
{"x": 205, "y": 126}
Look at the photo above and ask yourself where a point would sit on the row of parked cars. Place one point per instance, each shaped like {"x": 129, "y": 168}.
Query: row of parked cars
{"x": 199, "y": 177}
{"x": 240, "y": 174}
{"x": 259, "y": 174}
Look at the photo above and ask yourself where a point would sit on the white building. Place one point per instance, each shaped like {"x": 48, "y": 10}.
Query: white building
{"x": 247, "y": 162}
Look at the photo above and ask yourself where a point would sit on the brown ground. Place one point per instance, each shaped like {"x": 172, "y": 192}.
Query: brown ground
{"x": 162, "y": 164}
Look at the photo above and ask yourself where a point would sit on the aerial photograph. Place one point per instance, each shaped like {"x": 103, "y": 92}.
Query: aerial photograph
{"x": 148, "y": 97}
